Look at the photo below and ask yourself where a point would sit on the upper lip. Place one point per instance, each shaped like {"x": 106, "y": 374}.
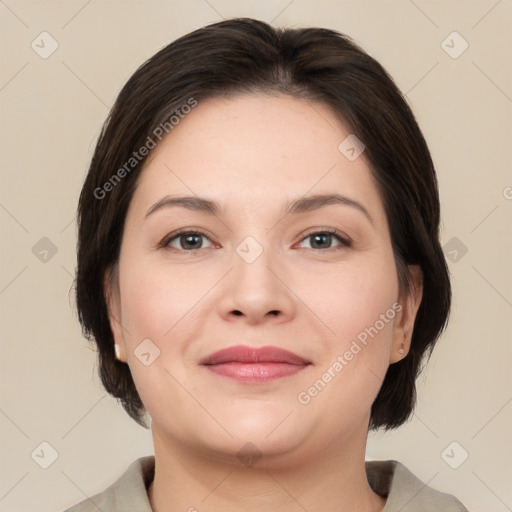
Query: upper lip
{"x": 245, "y": 354}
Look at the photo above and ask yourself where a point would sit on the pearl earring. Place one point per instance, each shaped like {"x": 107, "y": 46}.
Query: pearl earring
{"x": 117, "y": 350}
{"x": 401, "y": 350}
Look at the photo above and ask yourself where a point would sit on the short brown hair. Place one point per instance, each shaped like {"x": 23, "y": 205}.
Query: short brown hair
{"x": 243, "y": 55}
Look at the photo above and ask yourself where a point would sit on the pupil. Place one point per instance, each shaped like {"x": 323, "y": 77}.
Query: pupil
{"x": 190, "y": 241}
{"x": 320, "y": 238}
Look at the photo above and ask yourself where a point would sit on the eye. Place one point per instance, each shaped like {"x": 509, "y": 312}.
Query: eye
{"x": 324, "y": 240}
{"x": 190, "y": 241}
{"x": 187, "y": 241}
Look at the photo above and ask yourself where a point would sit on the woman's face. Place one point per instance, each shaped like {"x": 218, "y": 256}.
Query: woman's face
{"x": 265, "y": 271}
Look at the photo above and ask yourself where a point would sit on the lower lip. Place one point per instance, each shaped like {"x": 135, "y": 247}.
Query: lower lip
{"x": 255, "y": 372}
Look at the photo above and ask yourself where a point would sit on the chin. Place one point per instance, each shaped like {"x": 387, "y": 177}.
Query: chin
{"x": 253, "y": 451}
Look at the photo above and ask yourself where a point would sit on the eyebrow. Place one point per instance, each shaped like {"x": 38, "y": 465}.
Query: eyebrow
{"x": 297, "y": 206}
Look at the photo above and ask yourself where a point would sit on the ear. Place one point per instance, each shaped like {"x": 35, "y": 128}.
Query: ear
{"x": 113, "y": 300}
{"x": 404, "y": 322}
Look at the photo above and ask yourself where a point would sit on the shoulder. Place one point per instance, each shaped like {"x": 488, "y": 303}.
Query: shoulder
{"x": 127, "y": 493}
{"x": 405, "y": 492}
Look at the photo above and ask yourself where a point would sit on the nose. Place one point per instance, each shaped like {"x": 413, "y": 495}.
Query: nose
{"x": 257, "y": 291}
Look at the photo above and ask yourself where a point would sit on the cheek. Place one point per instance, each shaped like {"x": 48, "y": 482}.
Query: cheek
{"x": 353, "y": 298}
{"x": 166, "y": 308}
{"x": 157, "y": 307}
{"x": 358, "y": 304}
{"x": 156, "y": 301}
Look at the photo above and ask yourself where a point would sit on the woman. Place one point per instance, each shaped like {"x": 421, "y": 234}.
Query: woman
{"x": 259, "y": 265}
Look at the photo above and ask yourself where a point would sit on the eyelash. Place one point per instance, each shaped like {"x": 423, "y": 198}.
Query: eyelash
{"x": 344, "y": 241}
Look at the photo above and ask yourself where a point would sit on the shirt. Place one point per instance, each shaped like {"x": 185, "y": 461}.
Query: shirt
{"x": 389, "y": 478}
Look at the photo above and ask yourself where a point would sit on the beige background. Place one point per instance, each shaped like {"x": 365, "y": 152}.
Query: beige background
{"x": 52, "y": 110}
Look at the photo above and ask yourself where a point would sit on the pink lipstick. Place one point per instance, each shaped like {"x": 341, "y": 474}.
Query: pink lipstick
{"x": 249, "y": 364}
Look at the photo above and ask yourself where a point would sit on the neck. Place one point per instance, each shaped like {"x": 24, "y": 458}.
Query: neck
{"x": 331, "y": 481}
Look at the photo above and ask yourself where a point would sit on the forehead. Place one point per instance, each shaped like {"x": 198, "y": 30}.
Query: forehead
{"x": 253, "y": 149}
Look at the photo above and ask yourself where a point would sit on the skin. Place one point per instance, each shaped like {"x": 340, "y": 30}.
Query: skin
{"x": 251, "y": 154}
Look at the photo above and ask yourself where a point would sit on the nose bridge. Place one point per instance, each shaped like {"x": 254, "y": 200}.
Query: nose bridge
{"x": 254, "y": 288}
{"x": 252, "y": 263}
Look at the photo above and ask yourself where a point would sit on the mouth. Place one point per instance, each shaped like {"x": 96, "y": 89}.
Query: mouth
{"x": 249, "y": 364}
